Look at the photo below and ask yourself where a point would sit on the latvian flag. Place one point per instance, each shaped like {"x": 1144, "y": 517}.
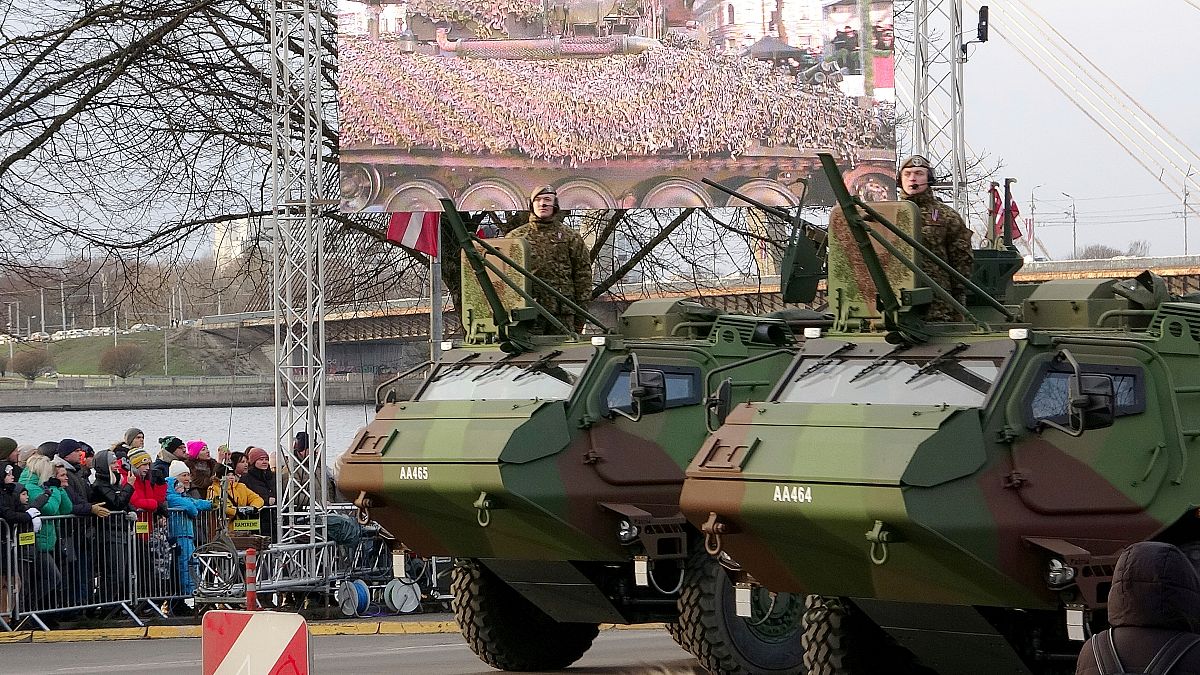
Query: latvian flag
{"x": 417, "y": 230}
{"x": 998, "y": 211}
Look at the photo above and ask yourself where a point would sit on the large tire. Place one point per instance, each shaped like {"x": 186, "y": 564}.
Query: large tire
{"x": 840, "y": 640}
{"x": 727, "y": 644}
{"x": 826, "y": 638}
{"x": 508, "y": 632}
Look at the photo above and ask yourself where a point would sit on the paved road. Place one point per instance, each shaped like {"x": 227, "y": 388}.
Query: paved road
{"x": 614, "y": 652}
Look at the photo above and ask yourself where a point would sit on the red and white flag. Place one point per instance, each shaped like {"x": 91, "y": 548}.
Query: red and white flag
{"x": 998, "y": 210}
{"x": 417, "y": 230}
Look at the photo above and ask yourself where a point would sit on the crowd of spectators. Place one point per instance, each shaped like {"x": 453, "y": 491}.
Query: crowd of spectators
{"x": 670, "y": 101}
{"x": 160, "y": 498}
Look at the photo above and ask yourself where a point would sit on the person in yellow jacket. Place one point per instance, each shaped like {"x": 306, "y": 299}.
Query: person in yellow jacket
{"x": 240, "y": 501}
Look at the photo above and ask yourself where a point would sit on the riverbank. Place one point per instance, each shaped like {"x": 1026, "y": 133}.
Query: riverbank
{"x": 352, "y": 390}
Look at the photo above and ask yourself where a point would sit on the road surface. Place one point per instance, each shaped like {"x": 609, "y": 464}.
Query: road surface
{"x": 615, "y": 651}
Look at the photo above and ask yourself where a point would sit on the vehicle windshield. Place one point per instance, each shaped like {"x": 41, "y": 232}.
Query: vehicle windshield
{"x": 545, "y": 380}
{"x": 949, "y": 376}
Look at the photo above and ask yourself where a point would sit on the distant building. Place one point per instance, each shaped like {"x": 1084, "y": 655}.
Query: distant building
{"x": 233, "y": 239}
{"x": 737, "y": 24}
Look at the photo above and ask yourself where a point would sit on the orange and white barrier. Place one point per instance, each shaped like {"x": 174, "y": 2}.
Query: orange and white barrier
{"x": 255, "y": 643}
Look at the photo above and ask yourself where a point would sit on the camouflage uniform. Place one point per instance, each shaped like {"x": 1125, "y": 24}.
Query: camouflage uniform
{"x": 558, "y": 256}
{"x": 944, "y": 233}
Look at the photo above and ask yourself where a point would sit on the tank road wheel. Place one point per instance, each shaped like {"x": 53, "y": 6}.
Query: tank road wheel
{"x": 508, "y": 632}
{"x": 725, "y": 643}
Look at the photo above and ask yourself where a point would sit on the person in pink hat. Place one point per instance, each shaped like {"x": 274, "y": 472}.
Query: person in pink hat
{"x": 202, "y": 467}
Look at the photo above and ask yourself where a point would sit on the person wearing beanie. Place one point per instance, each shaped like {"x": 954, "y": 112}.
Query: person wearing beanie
{"x": 112, "y": 491}
{"x": 45, "y": 489}
{"x": 171, "y": 448}
{"x": 138, "y": 458}
{"x": 24, "y": 452}
{"x": 48, "y": 449}
{"x": 9, "y": 468}
{"x": 202, "y": 466}
{"x": 184, "y": 510}
{"x": 177, "y": 469}
{"x": 133, "y": 438}
{"x": 148, "y": 496}
{"x": 74, "y": 546}
{"x": 942, "y": 231}
{"x": 557, "y": 256}
{"x": 261, "y": 480}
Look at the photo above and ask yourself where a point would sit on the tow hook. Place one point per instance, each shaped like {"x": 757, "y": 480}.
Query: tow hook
{"x": 713, "y": 528}
{"x": 484, "y": 506}
{"x": 363, "y": 502}
{"x": 880, "y": 537}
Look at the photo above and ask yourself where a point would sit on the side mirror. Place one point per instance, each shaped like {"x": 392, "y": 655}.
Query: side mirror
{"x": 648, "y": 390}
{"x": 1093, "y": 402}
{"x": 717, "y": 405}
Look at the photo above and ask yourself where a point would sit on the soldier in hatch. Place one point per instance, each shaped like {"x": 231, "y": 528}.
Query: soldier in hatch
{"x": 942, "y": 232}
{"x": 558, "y": 256}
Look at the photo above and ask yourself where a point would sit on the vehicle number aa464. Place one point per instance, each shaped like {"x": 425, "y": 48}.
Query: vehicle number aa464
{"x": 792, "y": 493}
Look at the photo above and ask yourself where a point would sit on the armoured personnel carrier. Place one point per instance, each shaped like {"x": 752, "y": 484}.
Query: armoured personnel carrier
{"x": 953, "y": 496}
{"x": 550, "y": 467}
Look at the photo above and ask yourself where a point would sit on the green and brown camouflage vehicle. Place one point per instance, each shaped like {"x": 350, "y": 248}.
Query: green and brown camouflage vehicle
{"x": 550, "y": 467}
{"x": 953, "y": 497}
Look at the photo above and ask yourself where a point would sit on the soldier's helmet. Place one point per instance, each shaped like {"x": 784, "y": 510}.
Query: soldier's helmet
{"x": 544, "y": 190}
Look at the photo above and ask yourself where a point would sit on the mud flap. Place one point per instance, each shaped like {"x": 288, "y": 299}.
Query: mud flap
{"x": 557, "y": 588}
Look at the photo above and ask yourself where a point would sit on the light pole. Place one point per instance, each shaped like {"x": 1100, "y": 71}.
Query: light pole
{"x": 1186, "y": 194}
{"x": 1074, "y": 242}
{"x": 1033, "y": 220}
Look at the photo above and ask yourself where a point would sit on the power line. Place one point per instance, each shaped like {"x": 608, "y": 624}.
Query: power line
{"x": 1090, "y": 199}
{"x": 1096, "y": 72}
{"x": 1129, "y": 137}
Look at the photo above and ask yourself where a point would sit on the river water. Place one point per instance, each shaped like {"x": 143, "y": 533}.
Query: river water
{"x": 240, "y": 427}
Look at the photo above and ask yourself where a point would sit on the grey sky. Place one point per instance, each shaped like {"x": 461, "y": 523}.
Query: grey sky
{"x": 1014, "y": 113}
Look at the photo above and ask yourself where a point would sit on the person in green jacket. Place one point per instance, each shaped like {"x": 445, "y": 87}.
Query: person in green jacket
{"x": 42, "y": 576}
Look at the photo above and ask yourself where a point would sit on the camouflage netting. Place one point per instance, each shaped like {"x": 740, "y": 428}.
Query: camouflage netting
{"x": 665, "y": 101}
{"x": 490, "y": 14}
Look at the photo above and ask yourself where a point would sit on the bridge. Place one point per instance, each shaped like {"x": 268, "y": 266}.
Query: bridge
{"x": 396, "y": 332}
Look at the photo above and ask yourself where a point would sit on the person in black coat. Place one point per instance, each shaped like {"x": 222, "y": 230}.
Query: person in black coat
{"x": 112, "y": 491}
{"x": 261, "y": 480}
{"x": 1155, "y": 597}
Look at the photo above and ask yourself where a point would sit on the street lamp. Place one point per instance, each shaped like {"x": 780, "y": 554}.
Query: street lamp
{"x": 1033, "y": 220}
{"x": 1074, "y": 243}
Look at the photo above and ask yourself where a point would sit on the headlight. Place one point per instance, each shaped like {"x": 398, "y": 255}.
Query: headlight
{"x": 1059, "y": 574}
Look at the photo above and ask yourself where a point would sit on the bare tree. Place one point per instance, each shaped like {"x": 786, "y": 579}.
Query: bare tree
{"x": 131, "y": 128}
{"x": 32, "y": 364}
{"x": 123, "y": 360}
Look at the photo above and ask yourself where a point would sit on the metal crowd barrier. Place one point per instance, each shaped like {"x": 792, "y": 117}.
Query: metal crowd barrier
{"x": 145, "y": 561}
{"x": 73, "y": 564}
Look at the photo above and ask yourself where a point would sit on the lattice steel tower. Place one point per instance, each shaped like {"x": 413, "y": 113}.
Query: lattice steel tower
{"x": 929, "y": 88}
{"x": 297, "y": 170}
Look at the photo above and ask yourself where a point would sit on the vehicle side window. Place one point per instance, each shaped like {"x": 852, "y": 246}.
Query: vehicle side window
{"x": 683, "y": 387}
{"x": 1047, "y": 399}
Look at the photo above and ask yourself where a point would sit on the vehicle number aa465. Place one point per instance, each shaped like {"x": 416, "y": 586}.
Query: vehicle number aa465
{"x": 792, "y": 493}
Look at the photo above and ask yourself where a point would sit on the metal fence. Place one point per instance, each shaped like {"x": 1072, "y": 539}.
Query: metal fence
{"x": 107, "y": 381}
{"x": 144, "y": 565}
